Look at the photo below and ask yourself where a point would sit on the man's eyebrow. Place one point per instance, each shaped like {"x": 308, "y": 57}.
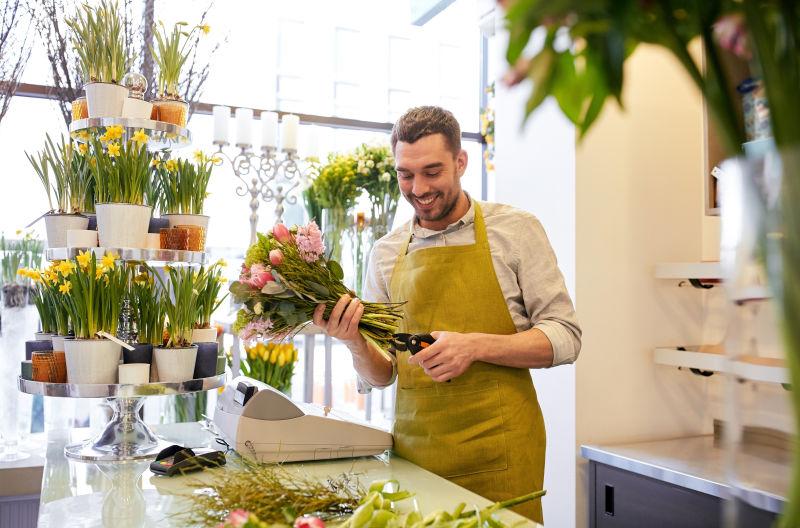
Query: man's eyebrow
{"x": 434, "y": 165}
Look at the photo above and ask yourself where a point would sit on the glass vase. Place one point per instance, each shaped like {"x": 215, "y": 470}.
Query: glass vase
{"x": 335, "y": 224}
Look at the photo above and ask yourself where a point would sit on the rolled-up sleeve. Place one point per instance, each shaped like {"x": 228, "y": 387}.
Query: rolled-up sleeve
{"x": 376, "y": 290}
{"x": 545, "y": 295}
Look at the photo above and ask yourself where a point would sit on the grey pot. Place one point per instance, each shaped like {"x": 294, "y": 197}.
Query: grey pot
{"x": 157, "y": 223}
{"x": 206, "y": 364}
{"x": 36, "y": 346}
{"x": 142, "y": 353}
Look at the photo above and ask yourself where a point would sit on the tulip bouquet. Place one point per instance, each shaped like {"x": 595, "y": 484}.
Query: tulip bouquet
{"x": 286, "y": 275}
{"x": 271, "y": 363}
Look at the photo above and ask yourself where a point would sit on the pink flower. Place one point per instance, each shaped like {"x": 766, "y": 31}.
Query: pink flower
{"x": 255, "y": 329}
{"x": 281, "y": 233}
{"x": 237, "y": 518}
{"x": 308, "y": 521}
{"x": 259, "y": 276}
{"x": 244, "y": 274}
{"x": 276, "y": 257}
{"x": 309, "y": 242}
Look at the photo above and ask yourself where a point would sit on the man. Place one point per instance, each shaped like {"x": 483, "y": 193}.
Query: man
{"x": 483, "y": 280}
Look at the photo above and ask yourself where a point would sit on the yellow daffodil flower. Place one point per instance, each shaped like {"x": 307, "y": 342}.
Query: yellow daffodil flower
{"x": 66, "y": 268}
{"x": 216, "y": 160}
{"x": 221, "y": 263}
{"x": 223, "y": 280}
{"x": 114, "y": 131}
{"x": 83, "y": 148}
{"x": 156, "y": 163}
{"x": 113, "y": 149}
{"x": 92, "y": 161}
{"x": 65, "y": 288}
{"x": 109, "y": 259}
{"x": 171, "y": 165}
{"x": 19, "y": 232}
{"x": 199, "y": 157}
{"x": 99, "y": 272}
{"x": 22, "y": 272}
{"x": 140, "y": 137}
{"x": 84, "y": 258}
{"x": 35, "y": 276}
{"x": 104, "y": 138}
{"x": 84, "y": 135}
{"x": 206, "y": 29}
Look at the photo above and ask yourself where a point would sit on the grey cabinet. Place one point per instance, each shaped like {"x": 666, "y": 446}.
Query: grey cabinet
{"x": 622, "y": 499}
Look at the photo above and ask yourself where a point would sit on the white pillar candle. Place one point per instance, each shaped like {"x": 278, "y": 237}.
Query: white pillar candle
{"x": 244, "y": 126}
{"x": 269, "y": 129}
{"x": 289, "y": 125}
{"x": 134, "y": 373}
{"x": 221, "y": 116}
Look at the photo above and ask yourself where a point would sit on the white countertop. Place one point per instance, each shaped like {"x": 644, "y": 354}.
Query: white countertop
{"x": 80, "y": 494}
{"x": 761, "y": 474}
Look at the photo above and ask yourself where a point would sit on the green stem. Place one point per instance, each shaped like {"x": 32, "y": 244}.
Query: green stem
{"x": 510, "y": 503}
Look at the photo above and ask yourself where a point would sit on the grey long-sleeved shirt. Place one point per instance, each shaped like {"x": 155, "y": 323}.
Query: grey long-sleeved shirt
{"x": 524, "y": 263}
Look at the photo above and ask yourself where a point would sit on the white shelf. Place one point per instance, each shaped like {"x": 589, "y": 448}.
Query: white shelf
{"x": 152, "y": 256}
{"x": 751, "y": 368}
{"x": 162, "y": 134}
{"x": 689, "y": 270}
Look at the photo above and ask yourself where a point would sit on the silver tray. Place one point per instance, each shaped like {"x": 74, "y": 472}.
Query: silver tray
{"x": 70, "y": 390}
{"x": 166, "y": 256}
{"x": 162, "y": 135}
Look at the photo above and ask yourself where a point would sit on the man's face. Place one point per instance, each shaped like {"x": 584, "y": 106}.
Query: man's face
{"x": 429, "y": 176}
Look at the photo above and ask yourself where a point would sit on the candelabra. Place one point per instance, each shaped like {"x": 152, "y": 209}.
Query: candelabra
{"x": 268, "y": 175}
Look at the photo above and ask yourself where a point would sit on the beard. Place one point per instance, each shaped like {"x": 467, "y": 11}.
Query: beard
{"x": 445, "y": 206}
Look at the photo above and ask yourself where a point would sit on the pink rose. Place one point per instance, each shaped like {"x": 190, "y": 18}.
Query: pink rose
{"x": 308, "y": 521}
{"x": 259, "y": 276}
{"x": 276, "y": 257}
{"x": 237, "y": 518}
{"x": 281, "y": 233}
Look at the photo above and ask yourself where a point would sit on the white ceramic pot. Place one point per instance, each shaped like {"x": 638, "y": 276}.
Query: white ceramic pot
{"x": 81, "y": 238}
{"x": 41, "y": 336}
{"x": 134, "y": 373}
{"x": 105, "y": 99}
{"x": 58, "y": 342}
{"x": 93, "y": 361}
{"x": 175, "y": 365}
{"x": 122, "y": 225}
{"x": 204, "y": 335}
{"x": 57, "y": 225}
{"x": 187, "y": 219}
{"x": 136, "y": 108}
{"x": 152, "y": 241}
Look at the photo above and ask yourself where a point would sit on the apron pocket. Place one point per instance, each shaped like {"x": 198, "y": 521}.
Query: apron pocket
{"x": 452, "y": 432}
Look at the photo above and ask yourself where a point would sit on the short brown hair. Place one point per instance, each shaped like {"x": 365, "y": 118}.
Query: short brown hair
{"x": 423, "y": 121}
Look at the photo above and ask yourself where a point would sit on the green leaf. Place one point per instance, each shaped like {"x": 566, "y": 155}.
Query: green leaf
{"x": 336, "y": 269}
{"x": 319, "y": 288}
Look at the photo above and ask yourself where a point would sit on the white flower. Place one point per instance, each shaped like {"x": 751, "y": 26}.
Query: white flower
{"x": 364, "y": 171}
{"x": 370, "y": 163}
{"x": 258, "y": 308}
{"x": 385, "y": 177}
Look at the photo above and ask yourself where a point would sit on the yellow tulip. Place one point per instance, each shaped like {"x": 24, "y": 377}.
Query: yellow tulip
{"x": 273, "y": 357}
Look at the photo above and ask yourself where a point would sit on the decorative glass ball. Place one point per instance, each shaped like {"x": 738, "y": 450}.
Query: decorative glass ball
{"x": 136, "y": 83}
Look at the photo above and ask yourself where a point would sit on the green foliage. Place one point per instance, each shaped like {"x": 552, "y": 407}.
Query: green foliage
{"x": 17, "y": 254}
{"x": 148, "y": 306}
{"x": 183, "y": 185}
{"x": 99, "y": 40}
{"x": 209, "y": 284}
{"x": 170, "y": 55}
{"x": 180, "y": 300}
{"x": 335, "y": 185}
{"x": 258, "y": 252}
{"x": 64, "y": 172}
{"x": 121, "y": 171}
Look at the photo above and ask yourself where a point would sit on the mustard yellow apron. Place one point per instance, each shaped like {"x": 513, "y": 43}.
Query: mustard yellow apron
{"x": 484, "y": 430}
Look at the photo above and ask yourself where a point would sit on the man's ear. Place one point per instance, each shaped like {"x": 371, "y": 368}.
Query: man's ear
{"x": 461, "y": 162}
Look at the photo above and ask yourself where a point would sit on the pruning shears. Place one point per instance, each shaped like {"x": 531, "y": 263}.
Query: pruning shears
{"x": 411, "y": 342}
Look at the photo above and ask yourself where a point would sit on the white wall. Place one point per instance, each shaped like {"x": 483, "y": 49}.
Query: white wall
{"x": 536, "y": 172}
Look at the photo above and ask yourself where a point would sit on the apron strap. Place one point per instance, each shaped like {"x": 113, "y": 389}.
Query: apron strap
{"x": 481, "y": 239}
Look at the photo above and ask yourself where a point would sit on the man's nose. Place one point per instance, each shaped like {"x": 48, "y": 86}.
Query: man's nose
{"x": 420, "y": 187}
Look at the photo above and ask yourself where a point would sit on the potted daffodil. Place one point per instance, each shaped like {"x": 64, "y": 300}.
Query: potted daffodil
{"x": 175, "y": 360}
{"x": 183, "y": 187}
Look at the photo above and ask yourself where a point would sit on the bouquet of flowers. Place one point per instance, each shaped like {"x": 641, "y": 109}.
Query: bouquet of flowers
{"x": 272, "y": 363}
{"x": 285, "y": 276}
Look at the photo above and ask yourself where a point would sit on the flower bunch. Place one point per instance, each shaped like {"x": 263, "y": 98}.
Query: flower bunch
{"x": 93, "y": 292}
{"x": 183, "y": 185}
{"x": 208, "y": 285}
{"x": 286, "y": 275}
{"x": 335, "y": 184}
{"x": 378, "y": 177}
{"x": 23, "y": 253}
{"x": 48, "y": 296}
{"x": 171, "y": 51}
{"x": 121, "y": 168}
{"x": 271, "y": 363}
{"x": 100, "y": 42}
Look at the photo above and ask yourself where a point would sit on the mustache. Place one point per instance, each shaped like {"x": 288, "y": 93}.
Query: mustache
{"x": 424, "y": 196}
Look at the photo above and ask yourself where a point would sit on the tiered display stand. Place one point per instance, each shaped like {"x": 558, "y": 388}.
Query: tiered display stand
{"x": 125, "y": 436}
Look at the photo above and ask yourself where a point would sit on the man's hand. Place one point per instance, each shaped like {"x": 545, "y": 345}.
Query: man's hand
{"x": 449, "y": 357}
{"x": 343, "y": 320}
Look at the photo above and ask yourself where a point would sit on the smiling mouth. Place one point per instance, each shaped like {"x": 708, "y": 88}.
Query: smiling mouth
{"x": 426, "y": 201}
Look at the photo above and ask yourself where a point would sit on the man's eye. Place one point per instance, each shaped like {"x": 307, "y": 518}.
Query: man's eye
{"x": 432, "y": 174}
{"x": 405, "y": 175}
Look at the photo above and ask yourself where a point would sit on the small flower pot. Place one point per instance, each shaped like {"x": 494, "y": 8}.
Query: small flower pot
{"x": 81, "y": 238}
{"x": 79, "y": 109}
{"x": 92, "y": 221}
{"x": 196, "y": 240}
{"x": 56, "y": 225}
{"x": 42, "y": 336}
{"x": 137, "y": 108}
{"x": 105, "y": 99}
{"x": 176, "y": 220}
{"x": 157, "y": 224}
{"x": 37, "y": 346}
{"x": 174, "y": 238}
{"x": 204, "y": 335}
{"x": 58, "y": 342}
{"x": 92, "y": 361}
{"x": 134, "y": 374}
{"x": 206, "y": 364}
{"x": 153, "y": 241}
{"x": 171, "y": 111}
{"x": 142, "y": 353}
{"x": 26, "y": 370}
{"x": 175, "y": 365}
{"x": 122, "y": 225}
